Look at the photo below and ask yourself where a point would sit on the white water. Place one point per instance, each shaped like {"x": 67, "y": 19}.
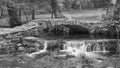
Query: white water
{"x": 40, "y": 51}
{"x": 79, "y": 49}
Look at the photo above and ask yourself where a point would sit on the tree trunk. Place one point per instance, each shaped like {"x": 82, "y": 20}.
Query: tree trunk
{"x": 33, "y": 14}
{"x": 13, "y": 16}
{"x": 116, "y": 11}
{"x": 54, "y": 7}
{"x": 25, "y": 16}
{"x": 20, "y": 11}
{"x": 1, "y": 15}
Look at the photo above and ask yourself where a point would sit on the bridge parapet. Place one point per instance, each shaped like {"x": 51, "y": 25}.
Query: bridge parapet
{"x": 66, "y": 22}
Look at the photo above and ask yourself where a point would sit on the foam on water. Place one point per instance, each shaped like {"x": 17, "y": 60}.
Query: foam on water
{"x": 79, "y": 49}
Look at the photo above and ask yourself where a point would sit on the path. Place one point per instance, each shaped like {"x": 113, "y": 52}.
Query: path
{"x": 89, "y": 15}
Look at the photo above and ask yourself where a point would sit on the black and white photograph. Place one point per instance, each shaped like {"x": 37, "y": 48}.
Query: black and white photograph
{"x": 59, "y": 33}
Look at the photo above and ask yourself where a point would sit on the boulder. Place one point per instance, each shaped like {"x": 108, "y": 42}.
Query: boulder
{"x": 59, "y": 30}
{"x": 55, "y": 45}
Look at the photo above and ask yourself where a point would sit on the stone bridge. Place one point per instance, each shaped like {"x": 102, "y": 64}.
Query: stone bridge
{"x": 66, "y": 21}
{"x": 53, "y": 22}
{"x": 36, "y": 27}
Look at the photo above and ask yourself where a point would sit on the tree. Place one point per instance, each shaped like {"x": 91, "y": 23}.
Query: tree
{"x": 116, "y": 11}
{"x": 67, "y": 4}
{"x": 76, "y": 4}
{"x": 2, "y": 10}
{"x": 13, "y": 14}
{"x": 12, "y": 9}
{"x": 116, "y": 18}
{"x": 32, "y": 6}
{"x": 56, "y": 8}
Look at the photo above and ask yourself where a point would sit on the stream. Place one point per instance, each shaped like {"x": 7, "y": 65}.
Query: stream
{"x": 81, "y": 54}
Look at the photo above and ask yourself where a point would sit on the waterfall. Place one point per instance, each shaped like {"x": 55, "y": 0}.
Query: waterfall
{"x": 100, "y": 48}
{"x": 44, "y": 50}
{"x": 113, "y": 1}
{"x": 77, "y": 49}
{"x": 81, "y": 48}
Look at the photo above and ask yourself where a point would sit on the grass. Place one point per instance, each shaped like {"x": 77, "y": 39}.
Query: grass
{"x": 48, "y": 61}
{"x": 84, "y": 15}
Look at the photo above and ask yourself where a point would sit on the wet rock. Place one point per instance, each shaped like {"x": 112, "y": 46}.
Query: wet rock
{"x": 102, "y": 31}
{"x": 60, "y": 56}
{"x": 55, "y": 45}
{"x": 31, "y": 39}
{"x": 77, "y": 29}
{"x": 87, "y": 66}
{"x": 3, "y": 51}
{"x": 21, "y": 48}
{"x": 16, "y": 40}
{"x": 31, "y": 50}
{"x": 59, "y": 30}
{"x": 64, "y": 56}
{"x": 106, "y": 31}
{"x": 19, "y": 44}
{"x": 69, "y": 30}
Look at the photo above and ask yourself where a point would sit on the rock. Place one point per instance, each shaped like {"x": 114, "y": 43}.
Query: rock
{"x": 106, "y": 31}
{"x": 40, "y": 53}
{"x": 19, "y": 44}
{"x": 31, "y": 50}
{"x": 55, "y": 45}
{"x": 87, "y": 66}
{"x": 77, "y": 29}
{"x": 60, "y": 56}
{"x": 21, "y": 48}
{"x": 109, "y": 67}
{"x": 31, "y": 39}
{"x": 59, "y": 30}
{"x": 17, "y": 40}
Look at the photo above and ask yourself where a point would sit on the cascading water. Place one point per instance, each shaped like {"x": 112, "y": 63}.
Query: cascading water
{"x": 40, "y": 51}
{"x": 79, "y": 49}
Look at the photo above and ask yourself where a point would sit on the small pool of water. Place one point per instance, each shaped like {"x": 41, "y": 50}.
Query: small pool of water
{"x": 78, "y": 37}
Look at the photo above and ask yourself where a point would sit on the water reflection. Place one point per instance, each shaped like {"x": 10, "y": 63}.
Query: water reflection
{"x": 79, "y": 37}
